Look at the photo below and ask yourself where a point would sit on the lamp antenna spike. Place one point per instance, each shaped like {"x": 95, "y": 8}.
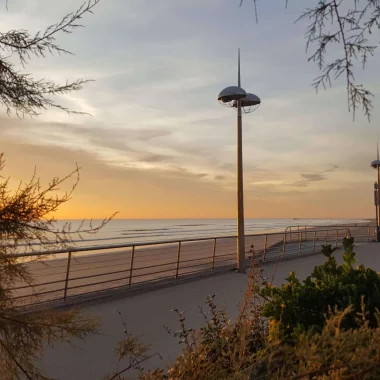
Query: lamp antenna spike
{"x": 239, "y": 81}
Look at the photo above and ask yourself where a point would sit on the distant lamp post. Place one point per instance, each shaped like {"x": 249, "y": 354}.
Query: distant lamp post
{"x": 376, "y": 165}
{"x": 236, "y": 97}
{"x": 376, "y": 202}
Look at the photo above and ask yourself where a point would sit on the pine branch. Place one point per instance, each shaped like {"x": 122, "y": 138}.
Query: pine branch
{"x": 332, "y": 23}
{"x": 19, "y": 366}
{"x": 25, "y": 45}
{"x": 350, "y": 32}
{"x": 19, "y": 92}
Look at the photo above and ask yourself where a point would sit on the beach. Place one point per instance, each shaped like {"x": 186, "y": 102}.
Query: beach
{"x": 146, "y": 266}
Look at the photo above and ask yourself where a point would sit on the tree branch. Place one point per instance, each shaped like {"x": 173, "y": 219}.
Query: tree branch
{"x": 21, "y": 93}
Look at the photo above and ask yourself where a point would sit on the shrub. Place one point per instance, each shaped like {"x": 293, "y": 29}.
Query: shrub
{"x": 222, "y": 349}
{"x": 335, "y": 342}
{"x": 304, "y": 305}
{"x": 333, "y": 353}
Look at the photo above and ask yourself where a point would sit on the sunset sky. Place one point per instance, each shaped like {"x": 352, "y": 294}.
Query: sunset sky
{"x": 159, "y": 145}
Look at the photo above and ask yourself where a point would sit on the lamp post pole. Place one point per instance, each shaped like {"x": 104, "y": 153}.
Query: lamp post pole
{"x": 236, "y": 97}
{"x": 240, "y": 194}
{"x": 240, "y": 191}
{"x": 376, "y": 201}
{"x": 376, "y": 165}
{"x": 378, "y": 205}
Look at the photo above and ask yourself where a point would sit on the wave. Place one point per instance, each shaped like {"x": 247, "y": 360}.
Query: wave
{"x": 151, "y": 229}
{"x": 138, "y": 231}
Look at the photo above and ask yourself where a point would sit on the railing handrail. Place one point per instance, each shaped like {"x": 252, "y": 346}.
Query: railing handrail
{"x": 143, "y": 244}
{"x": 298, "y": 227}
{"x": 288, "y": 229}
{"x": 131, "y": 271}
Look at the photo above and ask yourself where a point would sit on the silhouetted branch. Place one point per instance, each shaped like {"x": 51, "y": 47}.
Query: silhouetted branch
{"x": 26, "y": 220}
{"x": 333, "y": 22}
{"x": 21, "y": 93}
{"x": 132, "y": 351}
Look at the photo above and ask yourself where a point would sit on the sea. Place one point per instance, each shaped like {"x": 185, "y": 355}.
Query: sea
{"x": 130, "y": 231}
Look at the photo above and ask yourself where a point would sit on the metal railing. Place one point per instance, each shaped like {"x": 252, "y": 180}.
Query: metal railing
{"x": 67, "y": 274}
{"x": 291, "y": 229}
{"x": 303, "y": 242}
{"x": 361, "y": 232}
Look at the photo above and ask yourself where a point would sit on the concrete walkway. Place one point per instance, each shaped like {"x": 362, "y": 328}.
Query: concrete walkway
{"x": 147, "y": 313}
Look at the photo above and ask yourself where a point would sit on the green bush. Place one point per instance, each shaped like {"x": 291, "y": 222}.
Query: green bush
{"x": 341, "y": 345}
{"x": 304, "y": 305}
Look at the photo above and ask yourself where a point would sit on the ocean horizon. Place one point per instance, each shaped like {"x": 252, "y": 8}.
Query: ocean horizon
{"x": 130, "y": 231}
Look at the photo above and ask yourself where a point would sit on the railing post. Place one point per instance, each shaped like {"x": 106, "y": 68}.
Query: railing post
{"x": 327, "y": 236}
{"x": 131, "y": 266}
{"x": 315, "y": 238}
{"x": 283, "y": 246}
{"x": 337, "y": 237}
{"x": 300, "y": 243}
{"x": 178, "y": 257}
{"x": 67, "y": 277}
{"x": 213, "y": 256}
{"x": 265, "y": 246}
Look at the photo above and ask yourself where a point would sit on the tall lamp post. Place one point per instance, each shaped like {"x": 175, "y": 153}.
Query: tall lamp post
{"x": 376, "y": 202}
{"x": 236, "y": 97}
{"x": 376, "y": 165}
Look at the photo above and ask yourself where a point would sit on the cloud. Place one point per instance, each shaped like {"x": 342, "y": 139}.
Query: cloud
{"x": 309, "y": 178}
{"x": 313, "y": 177}
{"x": 155, "y": 158}
{"x": 333, "y": 168}
{"x": 154, "y": 97}
{"x": 300, "y": 183}
{"x": 144, "y": 149}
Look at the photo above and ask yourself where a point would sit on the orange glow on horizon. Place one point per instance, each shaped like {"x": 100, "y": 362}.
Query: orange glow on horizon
{"x": 104, "y": 190}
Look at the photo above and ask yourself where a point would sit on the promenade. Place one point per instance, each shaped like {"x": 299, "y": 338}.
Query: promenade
{"x": 147, "y": 312}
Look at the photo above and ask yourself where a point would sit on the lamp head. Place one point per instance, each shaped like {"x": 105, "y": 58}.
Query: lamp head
{"x": 250, "y": 103}
{"x": 250, "y": 100}
{"x": 231, "y": 94}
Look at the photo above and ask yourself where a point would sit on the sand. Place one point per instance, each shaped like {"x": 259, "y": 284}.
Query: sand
{"x": 96, "y": 271}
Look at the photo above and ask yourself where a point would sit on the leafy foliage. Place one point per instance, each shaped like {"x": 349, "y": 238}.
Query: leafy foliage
{"x": 222, "y": 348}
{"x": 334, "y": 353}
{"x": 304, "y": 305}
{"x": 251, "y": 347}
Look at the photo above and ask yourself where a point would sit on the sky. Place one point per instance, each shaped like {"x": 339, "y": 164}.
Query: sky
{"x": 159, "y": 145}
